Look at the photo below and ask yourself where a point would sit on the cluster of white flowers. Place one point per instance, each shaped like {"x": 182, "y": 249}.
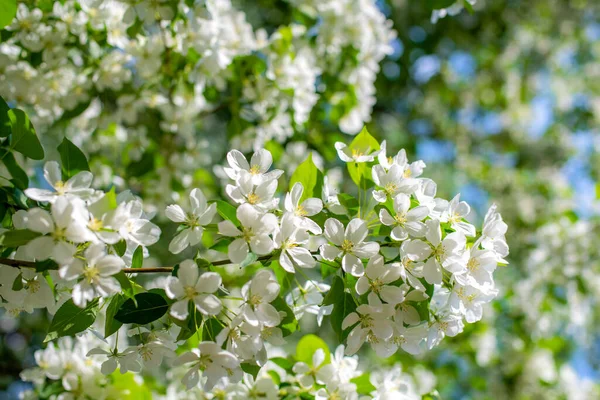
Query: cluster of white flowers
{"x": 79, "y": 230}
{"x": 559, "y": 292}
{"x": 406, "y": 267}
{"x": 329, "y": 376}
{"x": 93, "y": 68}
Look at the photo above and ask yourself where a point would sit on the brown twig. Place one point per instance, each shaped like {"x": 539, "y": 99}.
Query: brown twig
{"x": 30, "y": 264}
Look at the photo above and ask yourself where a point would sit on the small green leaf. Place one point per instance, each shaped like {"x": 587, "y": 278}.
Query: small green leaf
{"x": 19, "y": 176}
{"x": 23, "y": 138}
{"x": 8, "y": 10}
{"x": 70, "y": 319}
{"x": 18, "y": 283}
{"x": 360, "y": 173}
{"x": 283, "y": 363}
{"x": 18, "y": 237}
{"x": 288, "y": 324}
{"x": 250, "y": 258}
{"x": 46, "y": 265}
{"x": 310, "y": 177}
{"x": 150, "y": 307}
{"x": 335, "y": 292}
{"x": 128, "y": 287}
{"x": 111, "y": 325}
{"x": 363, "y": 384}
{"x": 120, "y": 247}
{"x": 227, "y": 212}
{"x": 5, "y": 125}
{"x": 251, "y": 369}
{"x": 344, "y": 306}
{"x": 138, "y": 257}
{"x": 308, "y": 345}
{"x": 72, "y": 158}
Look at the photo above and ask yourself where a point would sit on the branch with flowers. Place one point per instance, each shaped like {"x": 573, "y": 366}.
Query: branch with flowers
{"x": 393, "y": 267}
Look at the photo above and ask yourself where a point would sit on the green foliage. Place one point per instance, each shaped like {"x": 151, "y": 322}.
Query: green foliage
{"x": 360, "y": 173}
{"x": 23, "y": 138}
{"x": 307, "y": 346}
{"x": 70, "y": 319}
{"x": 19, "y": 177}
{"x": 138, "y": 257}
{"x": 363, "y": 384}
{"x": 438, "y": 4}
{"x": 18, "y": 237}
{"x": 227, "y": 212}
{"x": 112, "y": 325}
{"x": 310, "y": 177}
{"x": 149, "y": 308}
{"x": 72, "y": 159}
{"x": 343, "y": 306}
{"x": 8, "y": 10}
{"x": 5, "y": 125}
{"x": 289, "y": 324}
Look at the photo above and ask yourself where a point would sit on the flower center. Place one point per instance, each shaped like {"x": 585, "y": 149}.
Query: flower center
{"x": 247, "y": 234}
{"x": 146, "y": 353}
{"x": 32, "y": 286}
{"x": 255, "y": 170}
{"x": 391, "y": 188}
{"x": 400, "y": 218}
{"x": 473, "y": 264}
{"x": 356, "y": 153}
{"x": 95, "y": 224}
{"x": 407, "y": 173}
{"x": 59, "y": 233}
{"x": 90, "y": 274}
{"x": 255, "y": 300}
{"x": 253, "y": 198}
{"x": 300, "y": 211}
{"x": 376, "y": 285}
{"x": 59, "y": 187}
{"x": 347, "y": 246}
{"x": 439, "y": 252}
{"x": 366, "y": 321}
{"x": 190, "y": 292}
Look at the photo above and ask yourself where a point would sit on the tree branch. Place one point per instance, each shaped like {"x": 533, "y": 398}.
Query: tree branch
{"x": 30, "y": 264}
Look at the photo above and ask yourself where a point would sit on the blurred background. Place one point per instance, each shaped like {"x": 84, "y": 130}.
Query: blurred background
{"x": 503, "y": 105}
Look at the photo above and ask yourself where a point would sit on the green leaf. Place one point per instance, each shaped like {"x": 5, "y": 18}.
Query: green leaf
{"x": 23, "y": 138}
{"x": 128, "y": 287}
{"x": 46, "y": 265}
{"x": 363, "y": 384}
{"x": 308, "y": 345}
{"x": 227, "y": 212}
{"x": 120, "y": 247}
{"x": 211, "y": 329}
{"x": 150, "y": 307}
{"x": 70, "y": 319}
{"x": 288, "y": 324}
{"x": 250, "y": 258}
{"x": 310, "y": 177}
{"x": 360, "y": 173}
{"x": 111, "y": 325}
{"x": 5, "y": 125}
{"x": 336, "y": 292}
{"x": 222, "y": 245}
{"x": 19, "y": 176}
{"x": 251, "y": 369}
{"x": 344, "y": 306}
{"x": 18, "y": 283}
{"x": 18, "y": 237}
{"x": 138, "y": 257}
{"x": 8, "y": 10}
{"x": 72, "y": 158}
{"x": 283, "y": 362}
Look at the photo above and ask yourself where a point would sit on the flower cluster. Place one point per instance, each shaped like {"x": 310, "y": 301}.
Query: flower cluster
{"x": 92, "y": 69}
{"x": 398, "y": 269}
{"x": 67, "y": 367}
